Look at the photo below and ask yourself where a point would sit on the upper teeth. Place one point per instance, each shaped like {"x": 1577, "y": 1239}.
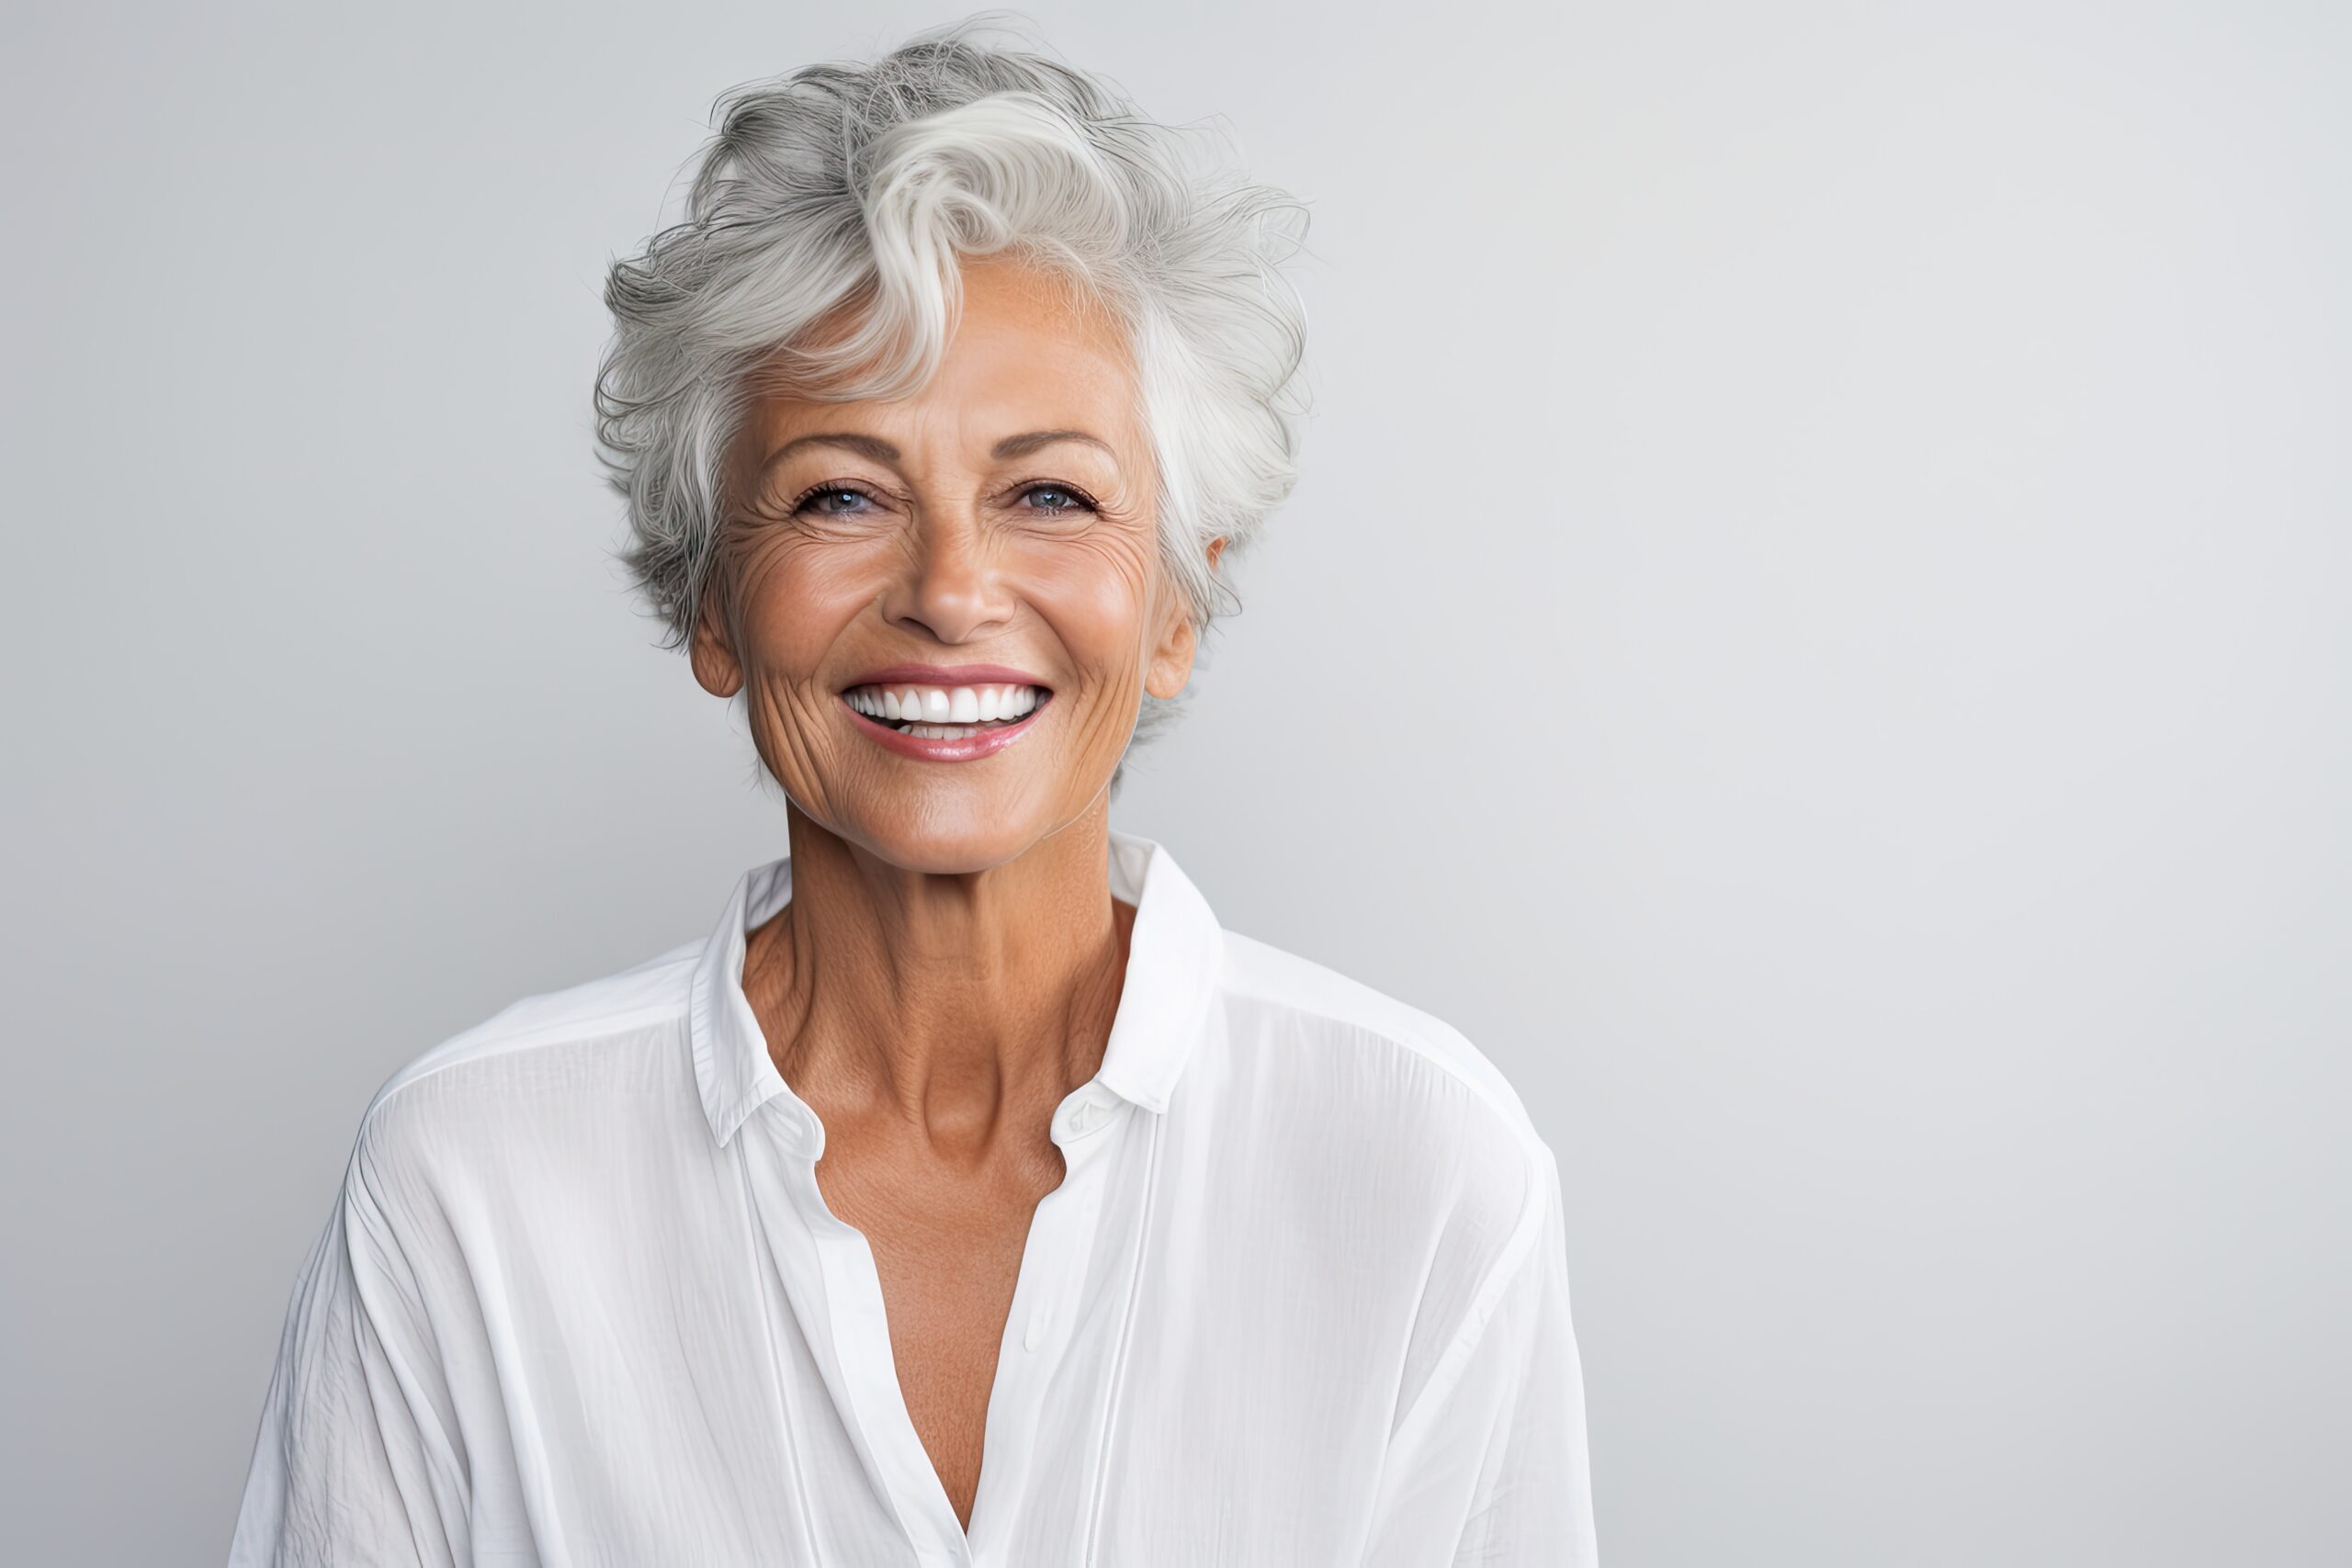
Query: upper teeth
{"x": 943, "y": 705}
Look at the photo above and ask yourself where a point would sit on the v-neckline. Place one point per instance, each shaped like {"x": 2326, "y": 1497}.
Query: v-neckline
{"x": 1007, "y": 1330}
{"x": 1056, "y": 1248}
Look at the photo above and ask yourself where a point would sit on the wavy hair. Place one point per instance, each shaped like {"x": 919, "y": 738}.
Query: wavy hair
{"x": 859, "y": 186}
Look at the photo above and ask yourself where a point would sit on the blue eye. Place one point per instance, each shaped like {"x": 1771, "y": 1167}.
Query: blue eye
{"x": 807, "y": 501}
{"x": 1073, "y": 502}
{"x": 1059, "y": 500}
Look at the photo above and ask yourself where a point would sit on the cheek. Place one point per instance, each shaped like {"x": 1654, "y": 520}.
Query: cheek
{"x": 1093, "y": 595}
{"x": 796, "y": 600}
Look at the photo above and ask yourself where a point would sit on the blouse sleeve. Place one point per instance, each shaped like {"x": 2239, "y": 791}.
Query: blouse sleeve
{"x": 352, "y": 1464}
{"x": 1489, "y": 1468}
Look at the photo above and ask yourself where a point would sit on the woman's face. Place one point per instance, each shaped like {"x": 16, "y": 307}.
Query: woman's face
{"x": 1003, "y": 518}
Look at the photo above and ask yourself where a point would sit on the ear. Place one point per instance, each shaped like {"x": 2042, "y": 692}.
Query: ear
{"x": 1171, "y": 661}
{"x": 712, "y": 649}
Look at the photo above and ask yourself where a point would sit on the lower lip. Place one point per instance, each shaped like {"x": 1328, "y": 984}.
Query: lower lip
{"x": 924, "y": 748}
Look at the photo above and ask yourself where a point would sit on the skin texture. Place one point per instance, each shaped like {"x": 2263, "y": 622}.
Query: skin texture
{"x": 951, "y": 958}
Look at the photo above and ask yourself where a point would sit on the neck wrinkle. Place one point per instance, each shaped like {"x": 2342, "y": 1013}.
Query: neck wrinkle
{"x": 951, "y": 1040}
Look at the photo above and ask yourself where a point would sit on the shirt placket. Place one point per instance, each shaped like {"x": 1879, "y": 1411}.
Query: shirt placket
{"x": 1064, "y": 1234}
{"x": 860, "y": 1370}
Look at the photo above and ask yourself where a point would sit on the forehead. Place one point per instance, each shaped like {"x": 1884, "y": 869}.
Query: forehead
{"x": 1030, "y": 351}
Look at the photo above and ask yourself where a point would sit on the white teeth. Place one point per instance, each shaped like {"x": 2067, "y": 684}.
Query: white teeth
{"x": 948, "y": 710}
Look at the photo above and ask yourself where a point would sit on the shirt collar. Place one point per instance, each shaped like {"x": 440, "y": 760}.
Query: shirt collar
{"x": 1174, "y": 958}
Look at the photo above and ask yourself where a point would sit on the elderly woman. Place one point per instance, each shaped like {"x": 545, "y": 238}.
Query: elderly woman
{"x": 968, "y": 1195}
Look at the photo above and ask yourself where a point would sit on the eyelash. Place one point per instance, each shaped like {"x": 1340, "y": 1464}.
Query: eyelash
{"x": 1085, "y": 502}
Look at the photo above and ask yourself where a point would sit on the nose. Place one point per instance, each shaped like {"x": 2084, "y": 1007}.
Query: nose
{"x": 952, "y": 585}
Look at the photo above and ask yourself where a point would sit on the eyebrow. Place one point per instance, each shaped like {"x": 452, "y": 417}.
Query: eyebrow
{"x": 881, "y": 451}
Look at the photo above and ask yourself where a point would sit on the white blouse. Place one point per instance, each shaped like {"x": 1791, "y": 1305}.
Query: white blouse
{"x": 1301, "y": 1297}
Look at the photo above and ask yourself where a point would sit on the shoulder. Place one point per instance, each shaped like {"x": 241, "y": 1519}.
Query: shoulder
{"x": 540, "y": 1048}
{"x": 1292, "y": 1004}
{"x": 1411, "y": 1090}
{"x": 1439, "y": 1153}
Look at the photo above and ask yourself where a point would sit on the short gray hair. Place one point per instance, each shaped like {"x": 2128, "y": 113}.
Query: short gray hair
{"x": 859, "y": 186}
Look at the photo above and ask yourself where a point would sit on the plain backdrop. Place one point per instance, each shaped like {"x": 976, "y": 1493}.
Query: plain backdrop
{"x": 1815, "y": 630}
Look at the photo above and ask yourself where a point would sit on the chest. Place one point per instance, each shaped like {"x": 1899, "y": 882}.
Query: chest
{"x": 948, "y": 1256}
{"x": 732, "y": 1361}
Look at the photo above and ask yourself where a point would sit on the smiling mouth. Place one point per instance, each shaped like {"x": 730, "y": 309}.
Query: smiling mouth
{"x": 947, "y": 713}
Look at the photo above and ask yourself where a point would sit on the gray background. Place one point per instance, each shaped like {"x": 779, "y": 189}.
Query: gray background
{"x": 1814, "y": 630}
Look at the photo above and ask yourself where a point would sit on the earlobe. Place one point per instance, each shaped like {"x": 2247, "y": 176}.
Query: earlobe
{"x": 711, "y": 655}
{"x": 1173, "y": 667}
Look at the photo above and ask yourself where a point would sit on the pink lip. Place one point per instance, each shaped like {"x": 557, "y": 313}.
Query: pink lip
{"x": 947, "y": 675}
{"x": 923, "y": 748}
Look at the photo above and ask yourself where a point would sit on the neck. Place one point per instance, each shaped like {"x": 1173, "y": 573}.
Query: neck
{"x": 947, "y": 1007}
